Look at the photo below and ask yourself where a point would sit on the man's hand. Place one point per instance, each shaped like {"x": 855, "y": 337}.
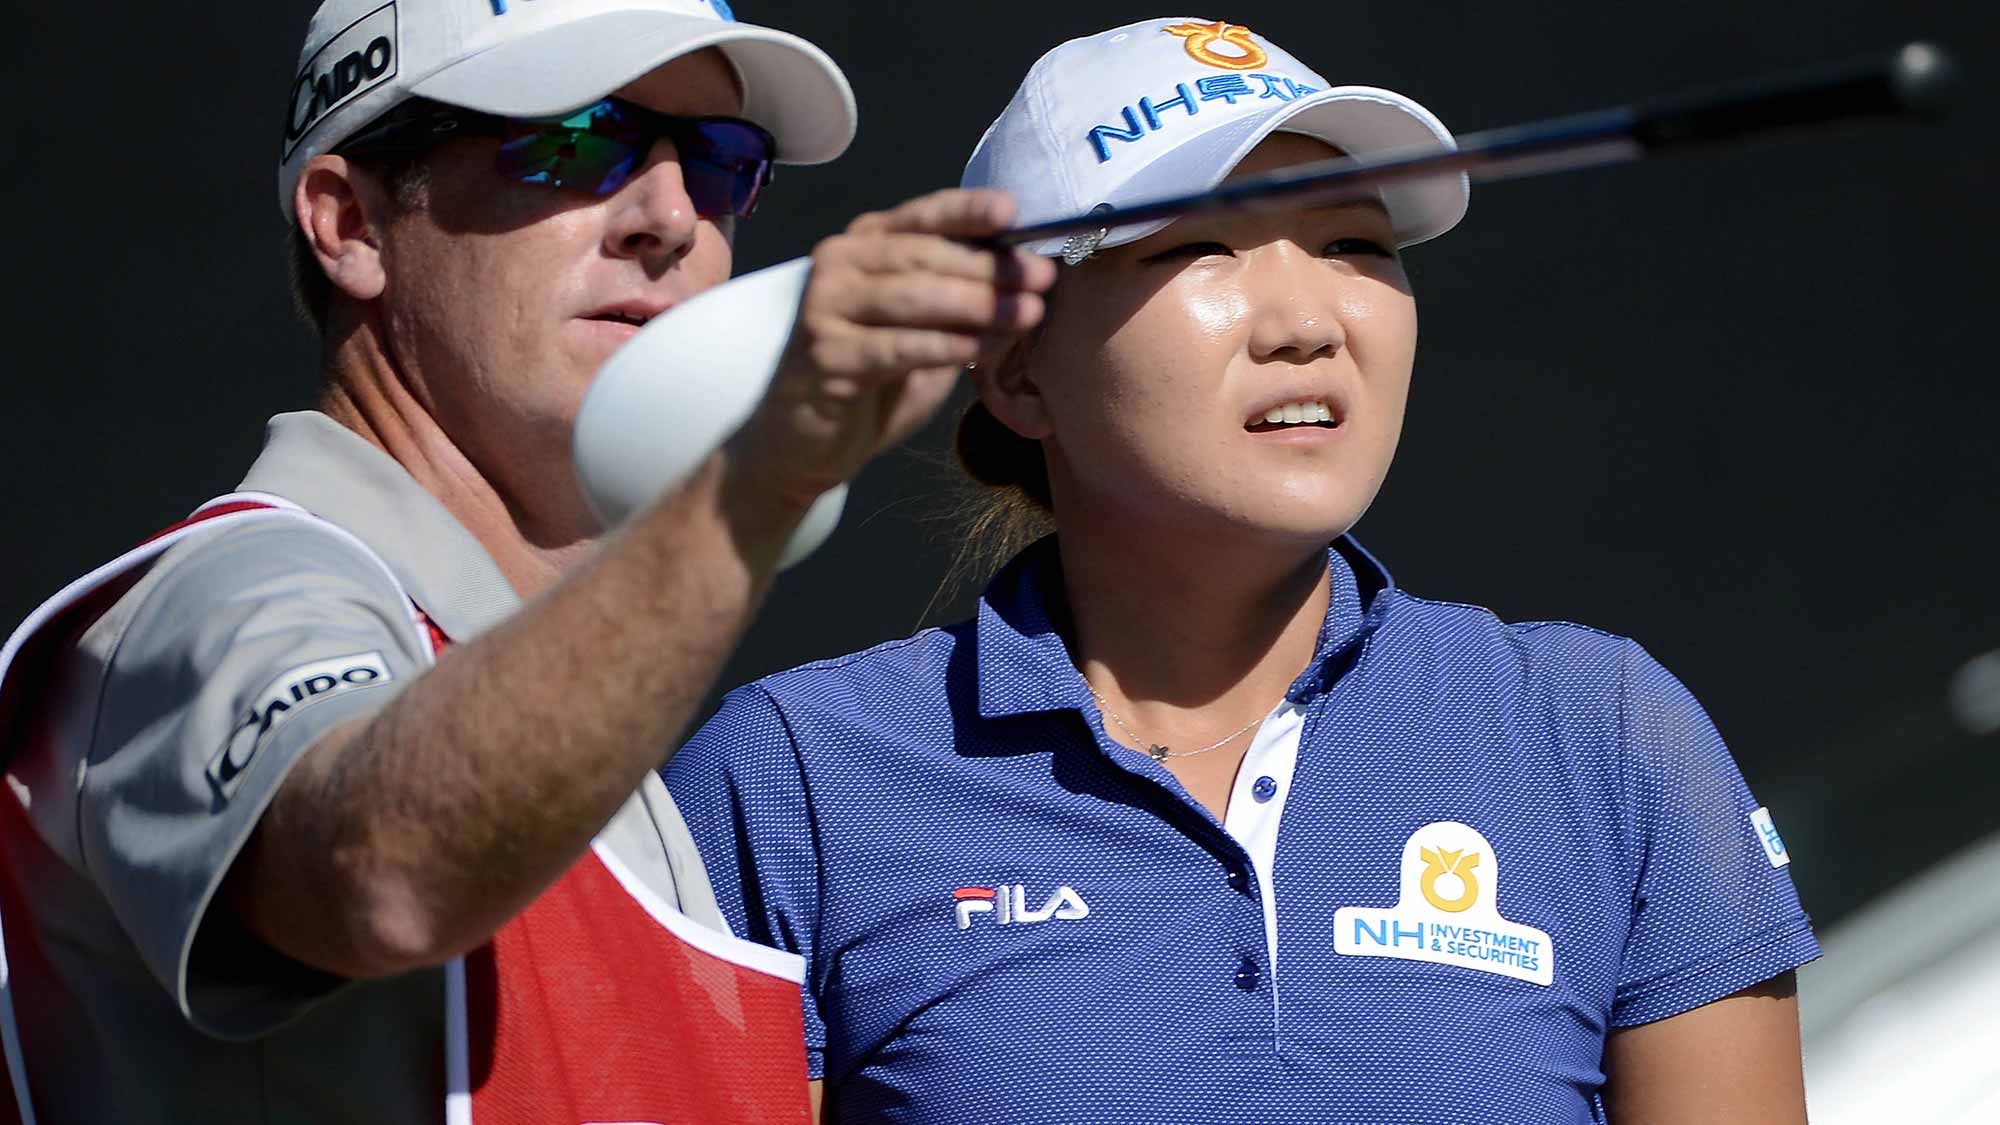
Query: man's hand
{"x": 895, "y": 309}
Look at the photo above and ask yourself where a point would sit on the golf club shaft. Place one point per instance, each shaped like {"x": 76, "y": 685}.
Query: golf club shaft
{"x": 1912, "y": 81}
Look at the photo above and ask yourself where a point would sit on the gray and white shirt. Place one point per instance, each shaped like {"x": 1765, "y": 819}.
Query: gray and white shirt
{"x": 146, "y": 750}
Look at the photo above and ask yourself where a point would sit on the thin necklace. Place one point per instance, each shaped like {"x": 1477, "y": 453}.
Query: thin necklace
{"x": 1159, "y": 752}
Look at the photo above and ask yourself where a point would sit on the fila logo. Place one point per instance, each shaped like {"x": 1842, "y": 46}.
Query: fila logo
{"x": 281, "y": 699}
{"x": 1009, "y": 905}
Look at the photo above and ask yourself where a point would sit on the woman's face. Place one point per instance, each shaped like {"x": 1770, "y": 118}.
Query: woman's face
{"x": 1160, "y": 363}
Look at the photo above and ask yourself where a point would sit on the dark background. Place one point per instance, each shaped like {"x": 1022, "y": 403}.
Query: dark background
{"x": 1737, "y": 405}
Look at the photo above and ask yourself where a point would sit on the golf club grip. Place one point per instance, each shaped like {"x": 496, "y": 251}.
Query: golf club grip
{"x": 1914, "y": 80}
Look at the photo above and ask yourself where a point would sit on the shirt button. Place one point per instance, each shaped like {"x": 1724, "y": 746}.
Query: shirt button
{"x": 1265, "y": 789}
{"x": 1239, "y": 879}
{"x": 1247, "y": 975}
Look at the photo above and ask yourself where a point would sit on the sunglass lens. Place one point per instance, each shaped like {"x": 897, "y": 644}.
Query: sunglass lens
{"x": 725, "y": 165}
{"x": 718, "y": 191}
{"x": 566, "y": 157}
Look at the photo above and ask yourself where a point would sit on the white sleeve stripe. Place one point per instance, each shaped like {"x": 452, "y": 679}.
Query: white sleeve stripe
{"x": 723, "y": 947}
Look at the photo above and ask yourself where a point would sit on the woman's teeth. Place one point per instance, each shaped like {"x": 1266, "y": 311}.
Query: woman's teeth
{"x": 1299, "y": 412}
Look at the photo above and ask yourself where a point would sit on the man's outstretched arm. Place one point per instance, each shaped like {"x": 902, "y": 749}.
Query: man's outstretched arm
{"x": 401, "y": 840}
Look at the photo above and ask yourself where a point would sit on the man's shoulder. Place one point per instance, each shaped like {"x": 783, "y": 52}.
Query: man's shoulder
{"x": 232, "y": 609}
{"x": 273, "y": 554}
{"x": 177, "y": 583}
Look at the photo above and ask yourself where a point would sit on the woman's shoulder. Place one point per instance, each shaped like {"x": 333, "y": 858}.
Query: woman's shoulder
{"x": 879, "y": 687}
{"x": 905, "y": 665}
{"x": 1576, "y": 666}
{"x": 768, "y": 722}
{"x": 1589, "y": 687}
{"x": 1474, "y": 630}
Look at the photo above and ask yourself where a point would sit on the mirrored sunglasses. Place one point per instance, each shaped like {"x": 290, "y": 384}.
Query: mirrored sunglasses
{"x": 725, "y": 161}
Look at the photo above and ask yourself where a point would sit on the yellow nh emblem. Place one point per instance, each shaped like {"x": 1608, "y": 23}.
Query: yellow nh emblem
{"x": 1441, "y": 863}
{"x": 1202, "y": 37}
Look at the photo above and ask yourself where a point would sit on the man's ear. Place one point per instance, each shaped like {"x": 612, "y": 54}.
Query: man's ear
{"x": 1008, "y": 390}
{"x": 337, "y": 207}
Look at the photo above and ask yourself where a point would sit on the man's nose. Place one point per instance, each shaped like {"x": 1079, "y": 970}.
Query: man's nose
{"x": 1297, "y": 306}
{"x": 653, "y": 219}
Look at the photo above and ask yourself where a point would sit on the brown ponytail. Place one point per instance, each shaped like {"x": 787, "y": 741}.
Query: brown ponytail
{"x": 1009, "y": 507}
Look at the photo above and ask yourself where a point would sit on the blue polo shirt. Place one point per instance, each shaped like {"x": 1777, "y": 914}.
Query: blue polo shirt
{"x": 1479, "y": 848}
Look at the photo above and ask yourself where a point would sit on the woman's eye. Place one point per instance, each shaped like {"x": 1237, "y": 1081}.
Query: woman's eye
{"x": 1348, "y": 247}
{"x": 1191, "y": 250}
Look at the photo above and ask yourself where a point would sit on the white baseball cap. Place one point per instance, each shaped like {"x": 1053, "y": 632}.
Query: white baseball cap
{"x": 1168, "y": 106}
{"x": 539, "y": 58}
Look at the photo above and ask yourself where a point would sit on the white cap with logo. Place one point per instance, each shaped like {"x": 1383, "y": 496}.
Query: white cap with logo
{"x": 1169, "y": 106}
{"x": 538, "y": 58}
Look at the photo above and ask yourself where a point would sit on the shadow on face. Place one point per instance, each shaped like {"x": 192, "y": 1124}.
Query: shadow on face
{"x": 466, "y": 196}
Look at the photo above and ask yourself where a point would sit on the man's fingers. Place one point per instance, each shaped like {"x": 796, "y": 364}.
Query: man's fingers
{"x": 953, "y": 213}
{"x": 853, "y": 358}
{"x": 895, "y": 309}
{"x": 898, "y": 351}
{"x": 930, "y": 301}
{"x": 890, "y": 253}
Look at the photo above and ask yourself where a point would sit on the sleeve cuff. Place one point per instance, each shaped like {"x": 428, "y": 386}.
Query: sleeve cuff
{"x": 1750, "y": 962}
{"x": 815, "y": 1062}
{"x": 230, "y": 984}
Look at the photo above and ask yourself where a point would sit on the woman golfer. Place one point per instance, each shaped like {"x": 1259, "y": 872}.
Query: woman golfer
{"x": 1202, "y": 818}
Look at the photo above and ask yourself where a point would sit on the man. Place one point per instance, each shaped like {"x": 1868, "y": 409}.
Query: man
{"x": 268, "y": 859}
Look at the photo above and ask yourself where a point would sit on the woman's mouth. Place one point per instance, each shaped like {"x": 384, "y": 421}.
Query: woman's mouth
{"x": 1293, "y": 415}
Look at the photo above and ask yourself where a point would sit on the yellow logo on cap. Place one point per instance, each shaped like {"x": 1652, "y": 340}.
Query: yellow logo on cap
{"x": 1440, "y": 863}
{"x": 1202, "y": 37}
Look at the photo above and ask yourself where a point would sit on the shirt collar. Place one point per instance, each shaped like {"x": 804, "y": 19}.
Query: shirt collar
{"x": 334, "y": 473}
{"x": 1025, "y": 667}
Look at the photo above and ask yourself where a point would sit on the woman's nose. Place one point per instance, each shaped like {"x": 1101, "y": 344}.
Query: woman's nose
{"x": 1297, "y": 303}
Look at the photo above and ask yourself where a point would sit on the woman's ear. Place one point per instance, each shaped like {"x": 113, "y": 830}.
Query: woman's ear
{"x": 335, "y": 213}
{"x": 1008, "y": 390}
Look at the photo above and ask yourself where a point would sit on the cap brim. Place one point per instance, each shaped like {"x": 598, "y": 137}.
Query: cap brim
{"x": 792, "y": 88}
{"x": 1358, "y": 120}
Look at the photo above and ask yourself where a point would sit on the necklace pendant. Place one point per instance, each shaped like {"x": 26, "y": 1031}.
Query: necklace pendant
{"x": 1159, "y": 752}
